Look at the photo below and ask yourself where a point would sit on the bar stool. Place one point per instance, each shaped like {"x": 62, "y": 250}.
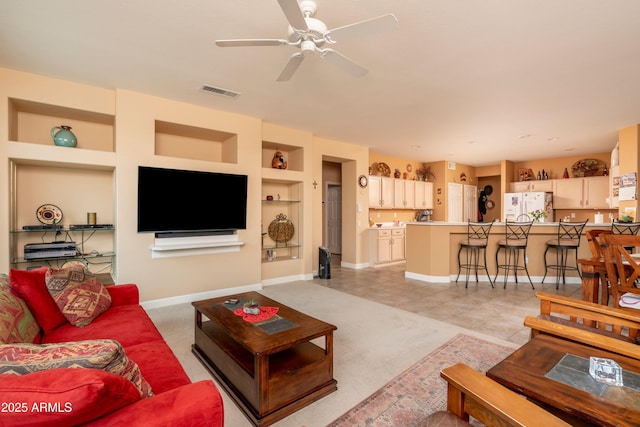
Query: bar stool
{"x": 515, "y": 241}
{"x": 476, "y": 241}
{"x": 569, "y": 234}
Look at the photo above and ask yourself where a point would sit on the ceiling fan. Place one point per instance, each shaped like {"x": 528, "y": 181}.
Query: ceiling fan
{"x": 310, "y": 35}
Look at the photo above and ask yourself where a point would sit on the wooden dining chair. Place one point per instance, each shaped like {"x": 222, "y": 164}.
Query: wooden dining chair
{"x": 593, "y": 238}
{"x": 623, "y": 270}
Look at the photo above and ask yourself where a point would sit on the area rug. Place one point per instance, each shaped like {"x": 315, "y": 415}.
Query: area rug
{"x": 420, "y": 391}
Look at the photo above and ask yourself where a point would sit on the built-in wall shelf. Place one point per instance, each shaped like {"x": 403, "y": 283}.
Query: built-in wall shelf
{"x": 293, "y": 155}
{"x": 34, "y": 154}
{"x": 195, "y": 143}
{"x": 31, "y": 122}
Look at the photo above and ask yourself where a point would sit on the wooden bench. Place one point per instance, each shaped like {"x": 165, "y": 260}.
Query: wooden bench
{"x": 593, "y": 324}
{"x": 470, "y": 393}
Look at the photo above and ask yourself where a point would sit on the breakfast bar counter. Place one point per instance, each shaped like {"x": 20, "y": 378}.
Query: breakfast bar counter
{"x": 432, "y": 249}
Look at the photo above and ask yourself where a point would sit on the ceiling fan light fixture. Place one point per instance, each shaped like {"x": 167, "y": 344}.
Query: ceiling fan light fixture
{"x": 307, "y": 46}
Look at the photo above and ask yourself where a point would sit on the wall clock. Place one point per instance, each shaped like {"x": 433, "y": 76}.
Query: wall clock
{"x": 362, "y": 181}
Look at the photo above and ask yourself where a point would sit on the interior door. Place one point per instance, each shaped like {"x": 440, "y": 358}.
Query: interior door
{"x": 454, "y": 202}
{"x": 334, "y": 218}
{"x": 470, "y": 203}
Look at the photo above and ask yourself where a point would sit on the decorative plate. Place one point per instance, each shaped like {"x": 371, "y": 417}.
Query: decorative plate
{"x": 49, "y": 214}
{"x": 384, "y": 169}
{"x": 586, "y": 167}
{"x": 409, "y": 167}
{"x": 362, "y": 181}
{"x": 281, "y": 229}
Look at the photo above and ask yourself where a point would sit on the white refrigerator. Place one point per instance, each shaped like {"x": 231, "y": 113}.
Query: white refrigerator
{"x": 518, "y": 205}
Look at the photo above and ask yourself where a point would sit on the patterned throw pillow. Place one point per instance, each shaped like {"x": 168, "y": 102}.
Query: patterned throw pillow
{"x": 78, "y": 294}
{"x": 108, "y": 355}
{"x": 17, "y": 324}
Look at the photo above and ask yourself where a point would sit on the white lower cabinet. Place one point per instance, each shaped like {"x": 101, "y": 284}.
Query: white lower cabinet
{"x": 386, "y": 246}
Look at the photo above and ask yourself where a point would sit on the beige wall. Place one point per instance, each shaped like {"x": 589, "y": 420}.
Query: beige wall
{"x": 133, "y": 144}
{"x": 355, "y": 162}
{"x": 135, "y": 135}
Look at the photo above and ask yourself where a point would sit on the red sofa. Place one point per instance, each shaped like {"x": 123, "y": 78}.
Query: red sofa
{"x": 70, "y": 395}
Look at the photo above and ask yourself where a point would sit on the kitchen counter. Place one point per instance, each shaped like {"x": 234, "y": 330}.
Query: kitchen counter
{"x": 432, "y": 249}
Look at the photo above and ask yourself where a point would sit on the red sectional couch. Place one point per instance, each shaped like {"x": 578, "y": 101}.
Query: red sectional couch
{"x": 71, "y": 396}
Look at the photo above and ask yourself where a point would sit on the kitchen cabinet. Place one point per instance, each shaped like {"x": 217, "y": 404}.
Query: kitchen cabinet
{"x": 403, "y": 194}
{"x": 386, "y": 246}
{"x": 528, "y": 186}
{"x": 381, "y": 192}
{"x": 581, "y": 193}
{"x": 423, "y": 195}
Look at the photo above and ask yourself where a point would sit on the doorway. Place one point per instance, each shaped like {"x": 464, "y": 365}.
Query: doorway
{"x": 333, "y": 217}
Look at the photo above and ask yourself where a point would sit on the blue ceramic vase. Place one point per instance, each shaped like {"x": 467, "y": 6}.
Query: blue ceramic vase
{"x": 64, "y": 137}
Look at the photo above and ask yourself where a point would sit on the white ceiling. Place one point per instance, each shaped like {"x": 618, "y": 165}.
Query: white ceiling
{"x": 460, "y": 80}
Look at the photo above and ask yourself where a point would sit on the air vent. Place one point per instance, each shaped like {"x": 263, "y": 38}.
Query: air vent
{"x": 219, "y": 91}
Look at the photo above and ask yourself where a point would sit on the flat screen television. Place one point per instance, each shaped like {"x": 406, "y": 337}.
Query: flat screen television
{"x": 174, "y": 201}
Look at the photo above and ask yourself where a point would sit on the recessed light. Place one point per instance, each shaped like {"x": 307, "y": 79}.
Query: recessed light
{"x": 526, "y": 135}
{"x": 553, "y": 138}
{"x": 569, "y": 149}
{"x": 471, "y": 142}
{"x": 416, "y": 147}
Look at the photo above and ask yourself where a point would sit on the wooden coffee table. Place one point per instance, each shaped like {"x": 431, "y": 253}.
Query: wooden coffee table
{"x": 270, "y": 369}
{"x": 525, "y": 371}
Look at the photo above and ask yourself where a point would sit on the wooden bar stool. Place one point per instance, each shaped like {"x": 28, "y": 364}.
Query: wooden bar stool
{"x": 515, "y": 241}
{"x": 569, "y": 234}
{"x": 476, "y": 242}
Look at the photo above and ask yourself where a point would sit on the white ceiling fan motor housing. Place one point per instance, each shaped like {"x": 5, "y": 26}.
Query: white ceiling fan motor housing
{"x": 316, "y": 31}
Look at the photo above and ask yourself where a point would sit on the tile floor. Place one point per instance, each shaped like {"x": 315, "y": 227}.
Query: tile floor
{"x": 493, "y": 311}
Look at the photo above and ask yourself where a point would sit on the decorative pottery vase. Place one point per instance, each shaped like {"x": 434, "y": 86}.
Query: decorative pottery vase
{"x": 279, "y": 161}
{"x": 64, "y": 137}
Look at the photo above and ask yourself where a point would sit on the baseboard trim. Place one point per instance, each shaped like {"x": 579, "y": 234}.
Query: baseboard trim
{"x": 427, "y": 278}
{"x": 286, "y": 279}
{"x": 181, "y": 299}
{"x": 354, "y": 266}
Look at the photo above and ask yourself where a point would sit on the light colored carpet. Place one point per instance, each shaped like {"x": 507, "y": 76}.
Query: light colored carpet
{"x": 373, "y": 344}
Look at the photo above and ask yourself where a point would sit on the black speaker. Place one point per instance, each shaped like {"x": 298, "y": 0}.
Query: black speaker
{"x": 324, "y": 263}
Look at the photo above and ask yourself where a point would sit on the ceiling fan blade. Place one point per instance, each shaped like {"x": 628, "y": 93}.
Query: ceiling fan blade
{"x": 251, "y": 42}
{"x": 291, "y": 67}
{"x": 364, "y": 28}
{"x": 293, "y": 13}
{"x": 343, "y": 62}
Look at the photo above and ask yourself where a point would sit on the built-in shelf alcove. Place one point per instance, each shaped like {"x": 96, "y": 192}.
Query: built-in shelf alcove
{"x": 31, "y": 122}
{"x": 195, "y": 143}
